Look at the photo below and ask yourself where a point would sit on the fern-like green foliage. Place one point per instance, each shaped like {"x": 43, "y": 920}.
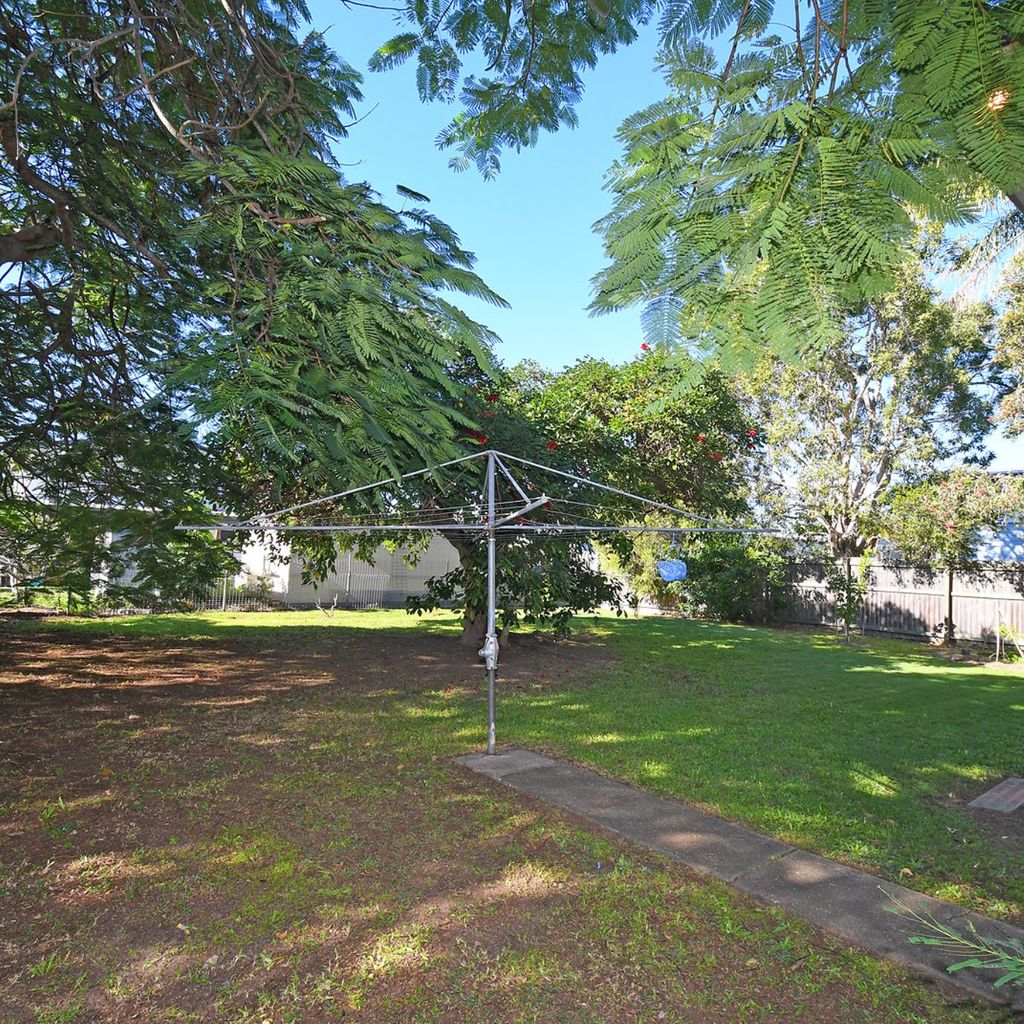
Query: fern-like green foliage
{"x": 772, "y": 192}
{"x": 775, "y": 188}
{"x": 533, "y": 57}
{"x": 332, "y": 341}
{"x": 196, "y": 307}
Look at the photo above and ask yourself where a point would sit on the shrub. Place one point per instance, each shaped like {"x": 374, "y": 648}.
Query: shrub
{"x": 730, "y": 577}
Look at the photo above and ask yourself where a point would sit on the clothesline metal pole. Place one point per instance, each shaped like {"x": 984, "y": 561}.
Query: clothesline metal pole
{"x": 490, "y": 651}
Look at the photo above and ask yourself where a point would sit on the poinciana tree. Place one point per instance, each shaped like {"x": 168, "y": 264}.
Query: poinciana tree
{"x": 789, "y": 165}
{"x": 789, "y": 175}
{"x": 539, "y": 579}
{"x": 939, "y": 522}
{"x": 912, "y": 383}
{"x": 184, "y": 264}
{"x": 622, "y": 425}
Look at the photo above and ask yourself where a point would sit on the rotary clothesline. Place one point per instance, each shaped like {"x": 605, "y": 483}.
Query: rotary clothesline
{"x": 490, "y": 515}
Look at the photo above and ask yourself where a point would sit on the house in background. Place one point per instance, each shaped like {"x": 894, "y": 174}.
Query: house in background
{"x": 1006, "y": 545}
{"x": 352, "y": 583}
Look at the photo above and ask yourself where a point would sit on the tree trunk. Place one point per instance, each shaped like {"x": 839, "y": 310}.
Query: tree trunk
{"x": 474, "y": 619}
{"x": 846, "y": 617}
{"x": 949, "y": 630}
{"x": 474, "y": 627}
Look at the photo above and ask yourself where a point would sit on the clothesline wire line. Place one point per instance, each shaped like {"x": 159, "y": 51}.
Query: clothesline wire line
{"x": 438, "y": 517}
{"x": 500, "y": 457}
{"x": 552, "y": 528}
{"x": 617, "y": 509}
{"x": 378, "y": 483}
{"x": 604, "y": 487}
{"x": 425, "y": 511}
{"x": 259, "y": 521}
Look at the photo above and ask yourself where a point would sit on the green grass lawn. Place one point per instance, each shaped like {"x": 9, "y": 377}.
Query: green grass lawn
{"x": 866, "y": 752}
{"x": 271, "y": 850}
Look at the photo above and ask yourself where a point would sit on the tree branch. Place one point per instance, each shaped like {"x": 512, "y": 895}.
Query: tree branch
{"x": 29, "y": 243}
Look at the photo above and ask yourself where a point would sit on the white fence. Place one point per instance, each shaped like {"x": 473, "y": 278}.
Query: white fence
{"x": 911, "y": 601}
{"x": 227, "y": 595}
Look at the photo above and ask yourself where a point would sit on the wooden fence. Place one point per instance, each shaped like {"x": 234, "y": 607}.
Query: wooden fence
{"x": 911, "y": 601}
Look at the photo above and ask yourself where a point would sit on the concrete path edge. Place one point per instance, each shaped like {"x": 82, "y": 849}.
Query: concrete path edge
{"x": 845, "y": 901}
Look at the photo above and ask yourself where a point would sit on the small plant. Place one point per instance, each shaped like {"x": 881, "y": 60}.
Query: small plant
{"x": 849, "y": 590}
{"x": 1007, "y": 634}
{"x": 45, "y": 967}
{"x": 50, "y": 817}
{"x": 1005, "y": 956}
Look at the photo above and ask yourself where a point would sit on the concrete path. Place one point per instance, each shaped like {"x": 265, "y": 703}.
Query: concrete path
{"x": 839, "y": 899}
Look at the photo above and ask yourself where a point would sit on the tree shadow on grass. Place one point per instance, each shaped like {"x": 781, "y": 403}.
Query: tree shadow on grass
{"x": 290, "y": 858}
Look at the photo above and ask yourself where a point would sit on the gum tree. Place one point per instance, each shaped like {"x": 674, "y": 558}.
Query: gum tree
{"x": 910, "y": 384}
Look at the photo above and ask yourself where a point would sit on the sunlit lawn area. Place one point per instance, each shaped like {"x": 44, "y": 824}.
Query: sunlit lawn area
{"x": 251, "y": 817}
{"x": 867, "y": 752}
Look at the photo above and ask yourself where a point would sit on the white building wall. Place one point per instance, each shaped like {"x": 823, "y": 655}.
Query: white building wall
{"x": 1005, "y": 546}
{"x": 385, "y": 583}
{"x": 256, "y": 561}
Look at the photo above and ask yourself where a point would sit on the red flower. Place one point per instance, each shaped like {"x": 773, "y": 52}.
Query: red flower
{"x": 716, "y": 456}
{"x": 479, "y": 438}
{"x": 702, "y": 437}
{"x": 551, "y": 445}
{"x": 644, "y": 346}
{"x": 752, "y": 432}
{"x": 492, "y": 397}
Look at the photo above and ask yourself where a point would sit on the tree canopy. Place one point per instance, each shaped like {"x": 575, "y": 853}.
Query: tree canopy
{"x": 593, "y": 420}
{"x": 939, "y": 521}
{"x": 785, "y": 173}
{"x": 196, "y": 305}
{"x": 911, "y": 384}
{"x": 183, "y": 259}
{"x": 633, "y": 426}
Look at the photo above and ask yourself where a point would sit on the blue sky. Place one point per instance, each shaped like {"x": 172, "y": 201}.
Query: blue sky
{"x": 532, "y": 227}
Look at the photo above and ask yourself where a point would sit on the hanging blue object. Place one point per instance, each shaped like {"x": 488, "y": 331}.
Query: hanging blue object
{"x": 671, "y": 570}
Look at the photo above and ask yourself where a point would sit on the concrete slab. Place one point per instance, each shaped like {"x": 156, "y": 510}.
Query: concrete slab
{"x": 503, "y": 763}
{"x": 845, "y": 901}
{"x": 700, "y": 840}
{"x": 858, "y": 907}
{"x": 1006, "y": 797}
